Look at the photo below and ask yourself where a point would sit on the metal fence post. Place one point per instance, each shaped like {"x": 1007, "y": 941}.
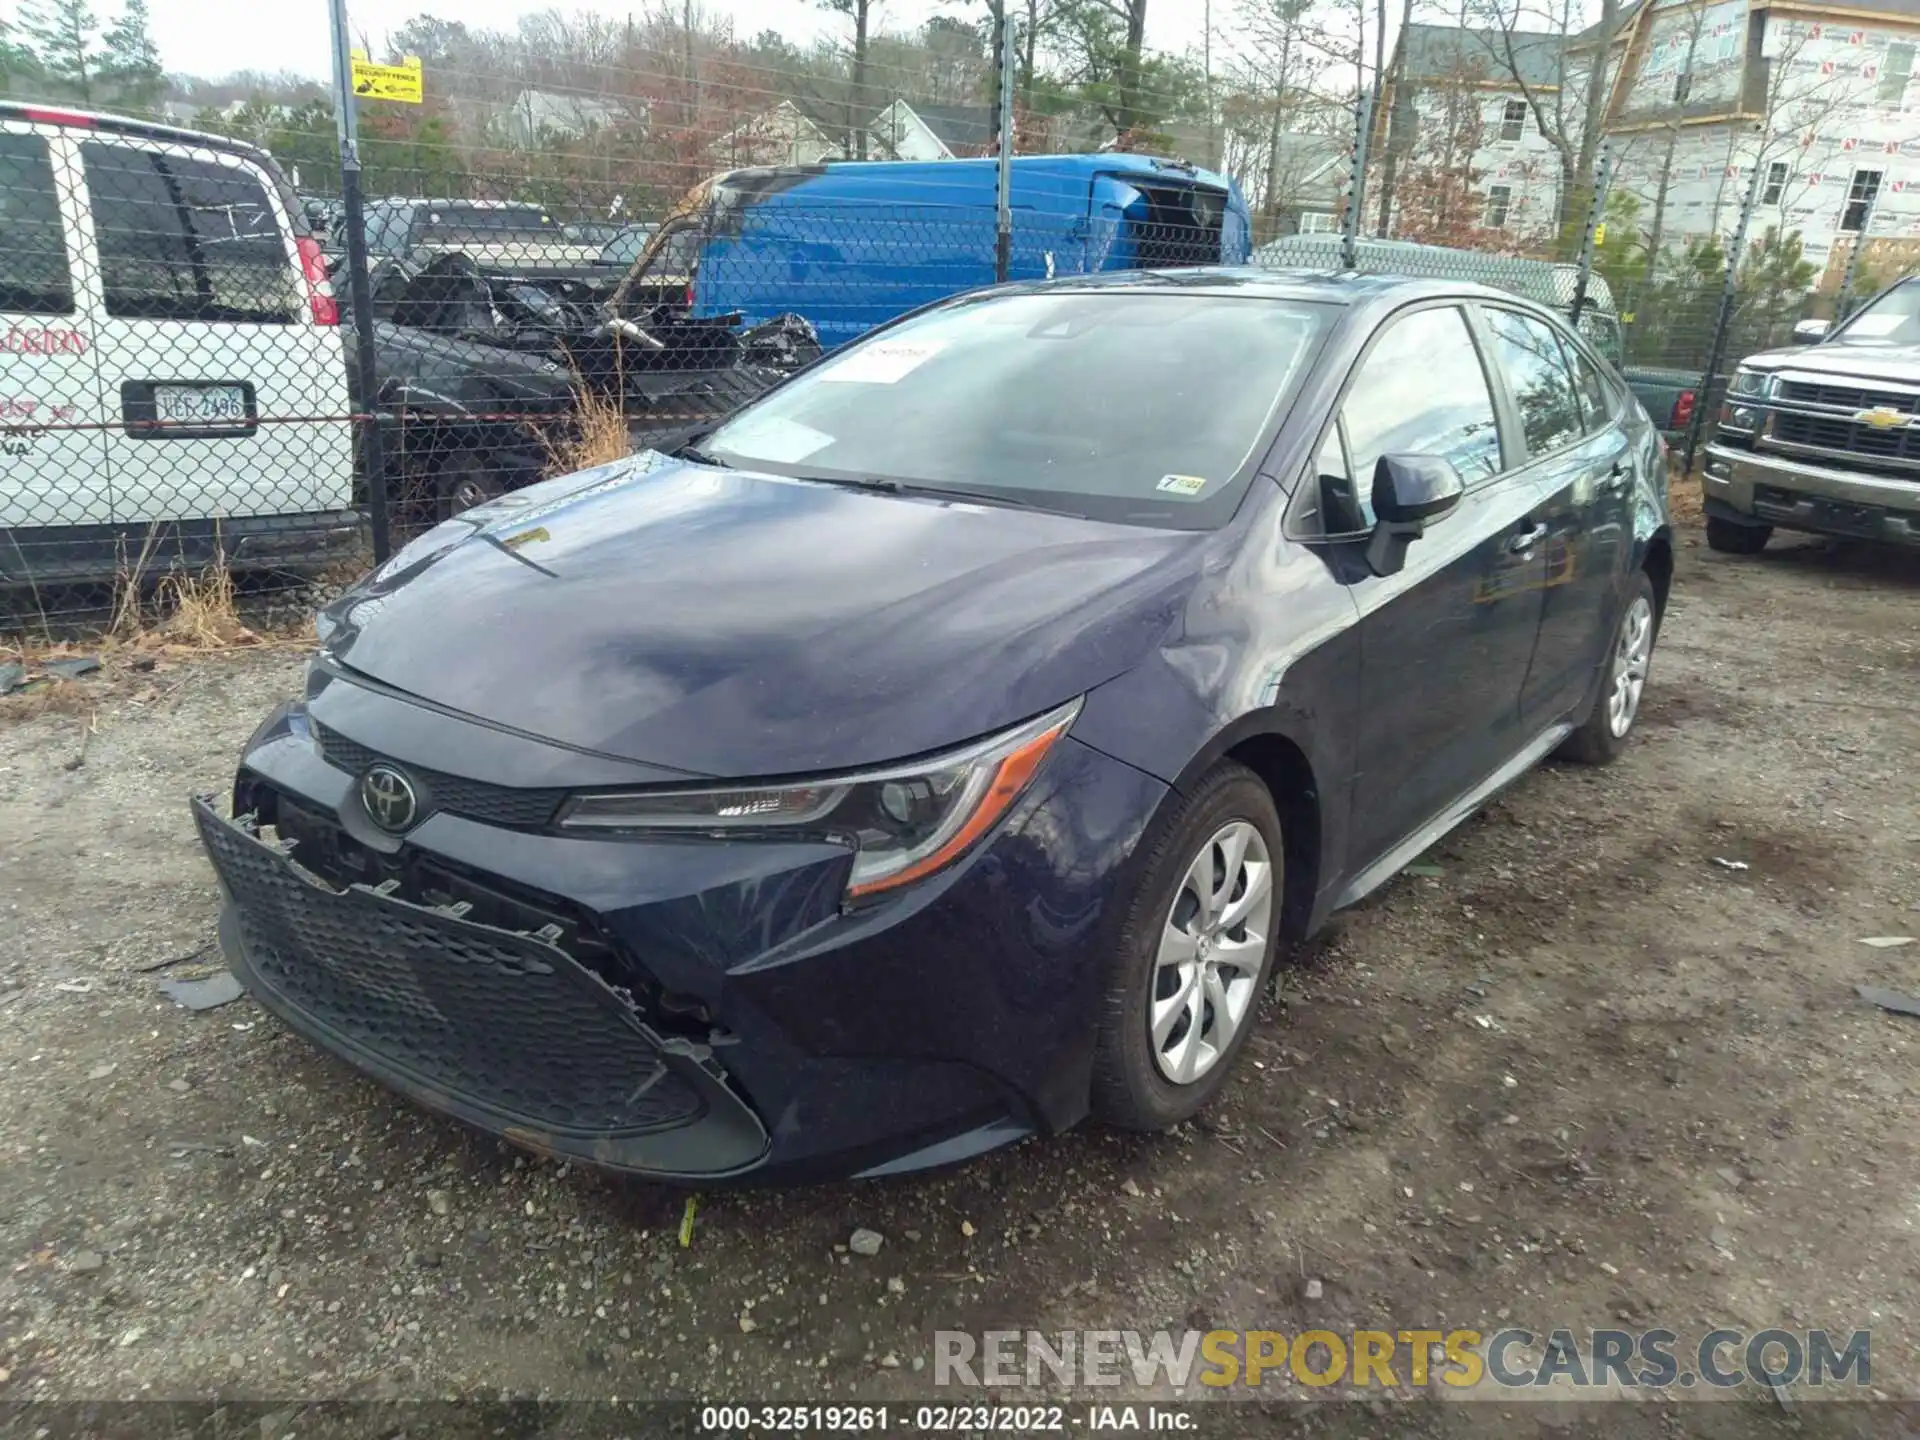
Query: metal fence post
{"x": 1357, "y": 181}
{"x": 1716, "y": 352}
{"x": 359, "y": 288}
{"x": 1843, "y": 302}
{"x": 1596, "y": 211}
{"x": 1003, "y": 199}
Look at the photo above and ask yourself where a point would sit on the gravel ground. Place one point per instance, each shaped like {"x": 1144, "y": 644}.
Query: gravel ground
{"x": 1589, "y": 1073}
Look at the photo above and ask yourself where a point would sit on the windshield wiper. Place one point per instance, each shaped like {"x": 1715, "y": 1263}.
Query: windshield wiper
{"x": 887, "y": 486}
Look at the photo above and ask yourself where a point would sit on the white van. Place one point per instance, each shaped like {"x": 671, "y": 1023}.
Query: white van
{"x": 172, "y": 377}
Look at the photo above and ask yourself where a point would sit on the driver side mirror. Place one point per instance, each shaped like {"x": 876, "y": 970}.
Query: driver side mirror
{"x": 1811, "y": 332}
{"x": 1408, "y": 491}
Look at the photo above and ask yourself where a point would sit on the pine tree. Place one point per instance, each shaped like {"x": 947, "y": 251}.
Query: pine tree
{"x": 63, "y": 35}
{"x": 130, "y": 61}
{"x": 17, "y": 63}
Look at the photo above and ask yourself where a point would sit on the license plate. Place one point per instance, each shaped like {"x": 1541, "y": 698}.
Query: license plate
{"x": 200, "y": 404}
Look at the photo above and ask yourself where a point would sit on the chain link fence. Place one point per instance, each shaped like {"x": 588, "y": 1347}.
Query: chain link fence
{"x": 560, "y": 272}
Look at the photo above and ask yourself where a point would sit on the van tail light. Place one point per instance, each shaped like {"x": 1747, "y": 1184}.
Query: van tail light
{"x": 313, "y": 266}
{"x": 688, "y": 299}
{"x": 1682, "y": 411}
{"x": 59, "y": 117}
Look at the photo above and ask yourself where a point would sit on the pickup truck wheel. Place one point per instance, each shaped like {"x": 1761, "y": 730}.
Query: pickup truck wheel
{"x": 1623, "y": 679}
{"x": 1730, "y": 537}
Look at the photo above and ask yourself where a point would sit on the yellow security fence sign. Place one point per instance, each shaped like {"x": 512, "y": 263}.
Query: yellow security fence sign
{"x": 402, "y": 82}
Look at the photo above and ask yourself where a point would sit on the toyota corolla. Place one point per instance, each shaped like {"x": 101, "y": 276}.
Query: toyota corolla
{"x": 938, "y": 752}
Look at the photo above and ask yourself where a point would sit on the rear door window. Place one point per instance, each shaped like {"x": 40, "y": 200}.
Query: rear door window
{"x": 1528, "y": 353}
{"x": 35, "y": 278}
{"x": 183, "y": 238}
{"x": 1596, "y": 399}
{"x": 386, "y": 229}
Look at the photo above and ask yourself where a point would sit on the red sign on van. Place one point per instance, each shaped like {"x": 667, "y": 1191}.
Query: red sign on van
{"x": 42, "y": 340}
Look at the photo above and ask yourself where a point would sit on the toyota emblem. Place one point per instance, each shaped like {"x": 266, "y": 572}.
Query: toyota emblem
{"x": 389, "y": 798}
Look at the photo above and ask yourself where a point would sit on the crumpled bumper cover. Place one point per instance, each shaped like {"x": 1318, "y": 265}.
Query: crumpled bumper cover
{"x": 499, "y": 1029}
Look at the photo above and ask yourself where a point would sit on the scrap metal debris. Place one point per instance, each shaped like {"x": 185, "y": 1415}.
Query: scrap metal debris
{"x": 1726, "y": 864}
{"x": 1891, "y": 1000}
{"x": 20, "y": 675}
{"x": 686, "y": 1225}
{"x": 172, "y": 960}
{"x": 1886, "y": 942}
{"x": 209, "y": 993}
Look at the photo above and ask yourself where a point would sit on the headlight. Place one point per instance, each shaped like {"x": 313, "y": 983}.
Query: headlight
{"x": 904, "y": 822}
{"x": 1749, "y": 382}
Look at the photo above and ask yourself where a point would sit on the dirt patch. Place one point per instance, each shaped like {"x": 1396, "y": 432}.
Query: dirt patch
{"x": 1583, "y": 1076}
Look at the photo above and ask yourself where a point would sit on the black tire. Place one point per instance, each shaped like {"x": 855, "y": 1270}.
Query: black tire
{"x": 467, "y": 479}
{"x": 1129, "y": 1089}
{"x": 1601, "y": 739}
{"x": 1730, "y": 537}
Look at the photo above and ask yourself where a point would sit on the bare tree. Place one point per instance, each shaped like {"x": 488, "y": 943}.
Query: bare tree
{"x": 859, "y": 106}
{"x": 1576, "y": 63}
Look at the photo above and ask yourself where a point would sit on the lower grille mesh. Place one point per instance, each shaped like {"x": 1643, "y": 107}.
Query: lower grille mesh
{"x": 508, "y": 1023}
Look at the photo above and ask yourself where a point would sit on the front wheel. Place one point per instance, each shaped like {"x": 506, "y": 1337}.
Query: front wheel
{"x": 1194, "y": 952}
{"x": 467, "y": 480}
{"x": 1622, "y": 682}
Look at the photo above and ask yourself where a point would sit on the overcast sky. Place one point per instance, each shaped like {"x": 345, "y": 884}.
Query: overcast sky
{"x": 216, "y": 37}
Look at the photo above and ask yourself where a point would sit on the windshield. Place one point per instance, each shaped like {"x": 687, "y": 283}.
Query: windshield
{"x": 492, "y": 224}
{"x": 1893, "y": 319}
{"x": 625, "y": 247}
{"x": 1121, "y": 405}
{"x": 677, "y": 254}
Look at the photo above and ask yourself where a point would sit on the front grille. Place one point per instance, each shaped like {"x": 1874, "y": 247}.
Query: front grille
{"x": 506, "y": 1023}
{"x": 475, "y": 799}
{"x": 1851, "y": 397}
{"x": 1833, "y": 433}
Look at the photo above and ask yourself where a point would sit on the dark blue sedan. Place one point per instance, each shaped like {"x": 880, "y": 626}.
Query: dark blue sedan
{"x": 939, "y": 751}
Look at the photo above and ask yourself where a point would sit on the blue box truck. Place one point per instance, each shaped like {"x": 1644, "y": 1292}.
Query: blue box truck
{"x": 851, "y": 245}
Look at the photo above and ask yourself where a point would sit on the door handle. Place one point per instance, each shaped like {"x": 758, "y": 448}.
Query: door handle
{"x": 1525, "y": 540}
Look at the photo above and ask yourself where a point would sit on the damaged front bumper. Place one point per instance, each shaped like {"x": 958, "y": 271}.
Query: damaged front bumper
{"x": 529, "y": 981}
{"x": 500, "y": 1029}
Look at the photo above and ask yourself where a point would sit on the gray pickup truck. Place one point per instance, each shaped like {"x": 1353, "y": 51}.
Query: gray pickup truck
{"x": 1824, "y": 436}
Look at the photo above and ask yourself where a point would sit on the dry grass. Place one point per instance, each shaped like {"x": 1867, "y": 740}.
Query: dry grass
{"x": 599, "y": 436}
{"x": 1684, "y": 499}
{"x": 183, "y": 615}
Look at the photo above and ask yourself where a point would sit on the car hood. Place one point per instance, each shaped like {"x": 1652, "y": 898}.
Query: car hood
{"x": 1865, "y": 360}
{"x": 730, "y": 624}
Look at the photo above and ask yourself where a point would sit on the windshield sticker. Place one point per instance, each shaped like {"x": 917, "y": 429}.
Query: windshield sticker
{"x": 1187, "y": 485}
{"x": 1873, "y": 325}
{"x": 884, "y": 362}
{"x": 777, "y": 442}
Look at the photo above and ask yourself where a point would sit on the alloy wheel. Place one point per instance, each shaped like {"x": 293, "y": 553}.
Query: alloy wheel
{"x": 1211, "y": 951}
{"x": 1633, "y": 653}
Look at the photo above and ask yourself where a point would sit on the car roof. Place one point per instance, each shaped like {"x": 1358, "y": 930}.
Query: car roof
{"x": 124, "y": 125}
{"x": 1342, "y": 287}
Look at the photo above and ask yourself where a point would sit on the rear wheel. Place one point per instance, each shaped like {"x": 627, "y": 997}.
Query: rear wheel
{"x": 1730, "y": 537}
{"x": 1622, "y": 683}
{"x": 1194, "y": 952}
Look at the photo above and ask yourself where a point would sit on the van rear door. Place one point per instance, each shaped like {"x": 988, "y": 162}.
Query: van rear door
{"x": 229, "y": 399}
{"x": 1143, "y": 221}
{"x": 53, "y": 452}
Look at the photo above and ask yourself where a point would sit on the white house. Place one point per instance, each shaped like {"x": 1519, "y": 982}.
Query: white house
{"x": 534, "y": 114}
{"x": 808, "y": 132}
{"x": 1699, "y": 93}
{"x": 1819, "y": 100}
